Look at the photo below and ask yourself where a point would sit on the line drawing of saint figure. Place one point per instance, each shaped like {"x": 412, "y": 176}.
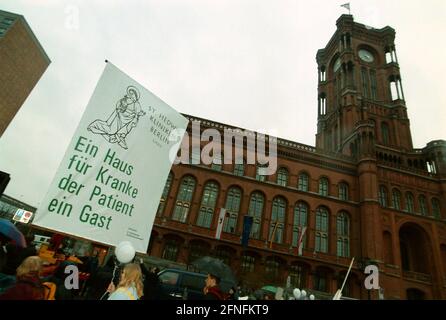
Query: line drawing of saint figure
{"x": 124, "y": 118}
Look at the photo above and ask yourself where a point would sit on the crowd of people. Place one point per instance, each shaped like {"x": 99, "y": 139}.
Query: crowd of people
{"x": 22, "y": 278}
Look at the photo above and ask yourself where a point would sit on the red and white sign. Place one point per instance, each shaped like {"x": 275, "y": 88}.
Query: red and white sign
{"x": 22, "y": 216}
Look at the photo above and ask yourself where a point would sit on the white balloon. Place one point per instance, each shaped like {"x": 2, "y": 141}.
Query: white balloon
{"x": 311, "y": 297}
{"x": 303, "y": 293}
{"x": 125, "y": 252}
{"x": 296, "y": 293}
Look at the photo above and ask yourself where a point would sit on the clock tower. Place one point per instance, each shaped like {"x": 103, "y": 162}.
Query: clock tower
{"x": 360, "y": 95}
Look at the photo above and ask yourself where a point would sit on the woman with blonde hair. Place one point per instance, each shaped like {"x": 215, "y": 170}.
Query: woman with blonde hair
{"x": 130, "y": 286}
{"x": 28, "y": 285}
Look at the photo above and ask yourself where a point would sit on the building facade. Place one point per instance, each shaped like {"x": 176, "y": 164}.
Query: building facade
{"x": 22, "y": 63}
{"x": 363, "y": 191}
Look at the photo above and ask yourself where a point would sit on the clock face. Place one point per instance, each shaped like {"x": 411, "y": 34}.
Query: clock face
{"x": 337, "y": 65}
{"x": 366, "y": 55}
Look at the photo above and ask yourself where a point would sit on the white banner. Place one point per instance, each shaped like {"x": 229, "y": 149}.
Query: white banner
{"x": 109, "y": 183}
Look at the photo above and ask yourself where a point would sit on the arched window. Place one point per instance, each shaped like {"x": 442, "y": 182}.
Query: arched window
{"x": 232, "y": 207}
{"x": 299, "y": 223}
{"x": 385, "y": 135}
{"x": 277, "y": 220}
{"x": 365, "y": 82}
{"x": 260, "y": 176}
{"x": 282, "y": 177}
{"x": 207, "y": 207}
{"x": 436, "y": 208}
{"x": 396, "y": 199}
{"x": 323, "y": 187}
{"x": 297, "y": 276}
{"x": 409, "y": 203}
{"x": 383, "y": 196}
{"x": 256, "y": 210}
{"x": 171, "y": 249}
{"x": 239, "y": 169}
{"x": 184, "y": 199}
{"x": 343, "y": 191}
{"x": 197, "y": 250}
{"x": 423, "y": 205}
{"x": 165, "y": 194}
{"x": 271, "y": 269}
{"x": 248, "y": 263}
{"x": 303, "y": 182}
{"x": 321, "y": 243}
{"x": 217, "y": 162}
{"x": 373, "y": 84}
{"x": 343, "y": 233}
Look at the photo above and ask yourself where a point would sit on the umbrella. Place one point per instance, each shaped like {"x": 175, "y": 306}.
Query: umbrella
{"x": 271, "y": 289}
{"x": 216, "y": 267}
{"x": 8, "y": 229}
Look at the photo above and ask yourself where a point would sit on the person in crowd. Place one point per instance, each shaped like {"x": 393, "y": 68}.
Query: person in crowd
{"x": 152, "y": 285}
{"x": 15, "y": 255}
{"x": 58, "y": 278}
{"x": 130, "y": 286}
{"x": 98, "y": 283}
{"x": 212, "y": 290}
{"x": 232, "y": 294}
{"x": 28, "y": 285}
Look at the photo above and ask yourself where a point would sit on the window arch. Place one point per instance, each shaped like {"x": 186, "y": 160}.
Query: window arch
{"x": 423, "y": 205}
{"x": 277, "y": 220}
{"x": 165, "y": 194}
{"x": 302, "y": 184}
{"x": 436, "y": 208}
{"x": 184, "y": 199}
{"x": 383, "y": 196}
{"x": 232, "y": 207}
{"x": 385, "y": 133}
{"x": 409, "y": 203}
{"x": 239, "y": 169}
{"x": 396, "y": 199}
{"x": 322, "y": 225}
{"x": 260, "y": 176}
{"x": 343, "y": 233}
{"x": 323, "y": 186}
{"x": 256, "y": 210}
{"x": 282, "y": 177}
{"x": 299, "y": 222}
{"x": 208, "y": 202}
{"x": 343, "y": 191}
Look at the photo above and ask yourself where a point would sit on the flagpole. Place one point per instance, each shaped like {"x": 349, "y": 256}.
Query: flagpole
{"x": 346, "y": 276}
{"x": 272, "y": 235}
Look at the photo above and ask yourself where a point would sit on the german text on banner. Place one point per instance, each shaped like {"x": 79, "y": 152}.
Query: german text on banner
{"x": 109, "y": 183}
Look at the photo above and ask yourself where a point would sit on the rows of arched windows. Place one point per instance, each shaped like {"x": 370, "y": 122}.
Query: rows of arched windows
{"x": 282, "y": 179}
{"x": 256, "y": 209}
{"x": 396, "y": 202}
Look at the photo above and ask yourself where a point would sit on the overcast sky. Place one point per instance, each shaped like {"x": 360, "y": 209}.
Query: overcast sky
{"x": 249, "y": 63}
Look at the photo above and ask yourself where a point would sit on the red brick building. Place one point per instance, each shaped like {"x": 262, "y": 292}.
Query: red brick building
{"x": 362, "y": 192}
{"x": 22, "y": 63}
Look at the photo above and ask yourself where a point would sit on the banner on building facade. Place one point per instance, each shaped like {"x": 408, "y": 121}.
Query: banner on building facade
{"x": 247, "y": 226}
{"x": 109, "y": 183}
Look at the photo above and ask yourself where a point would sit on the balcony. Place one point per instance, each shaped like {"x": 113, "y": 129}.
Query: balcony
{"x": 416, "y": 276}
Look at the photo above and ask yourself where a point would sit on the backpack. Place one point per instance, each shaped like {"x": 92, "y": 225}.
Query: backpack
{"x": 49, "y": 290}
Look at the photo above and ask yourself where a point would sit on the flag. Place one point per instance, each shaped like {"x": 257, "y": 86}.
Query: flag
{"x": 221, "y": 220}
{"x": 247, "y": 225}
{"x": 346, "y": 6}
{"x": 300, "y": 241}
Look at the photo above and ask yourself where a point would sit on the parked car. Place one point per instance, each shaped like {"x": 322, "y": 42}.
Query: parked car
{"x": 187, "y": 285}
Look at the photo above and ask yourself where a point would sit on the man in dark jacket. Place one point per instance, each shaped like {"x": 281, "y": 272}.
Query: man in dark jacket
{"x": 212, "y": 290}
